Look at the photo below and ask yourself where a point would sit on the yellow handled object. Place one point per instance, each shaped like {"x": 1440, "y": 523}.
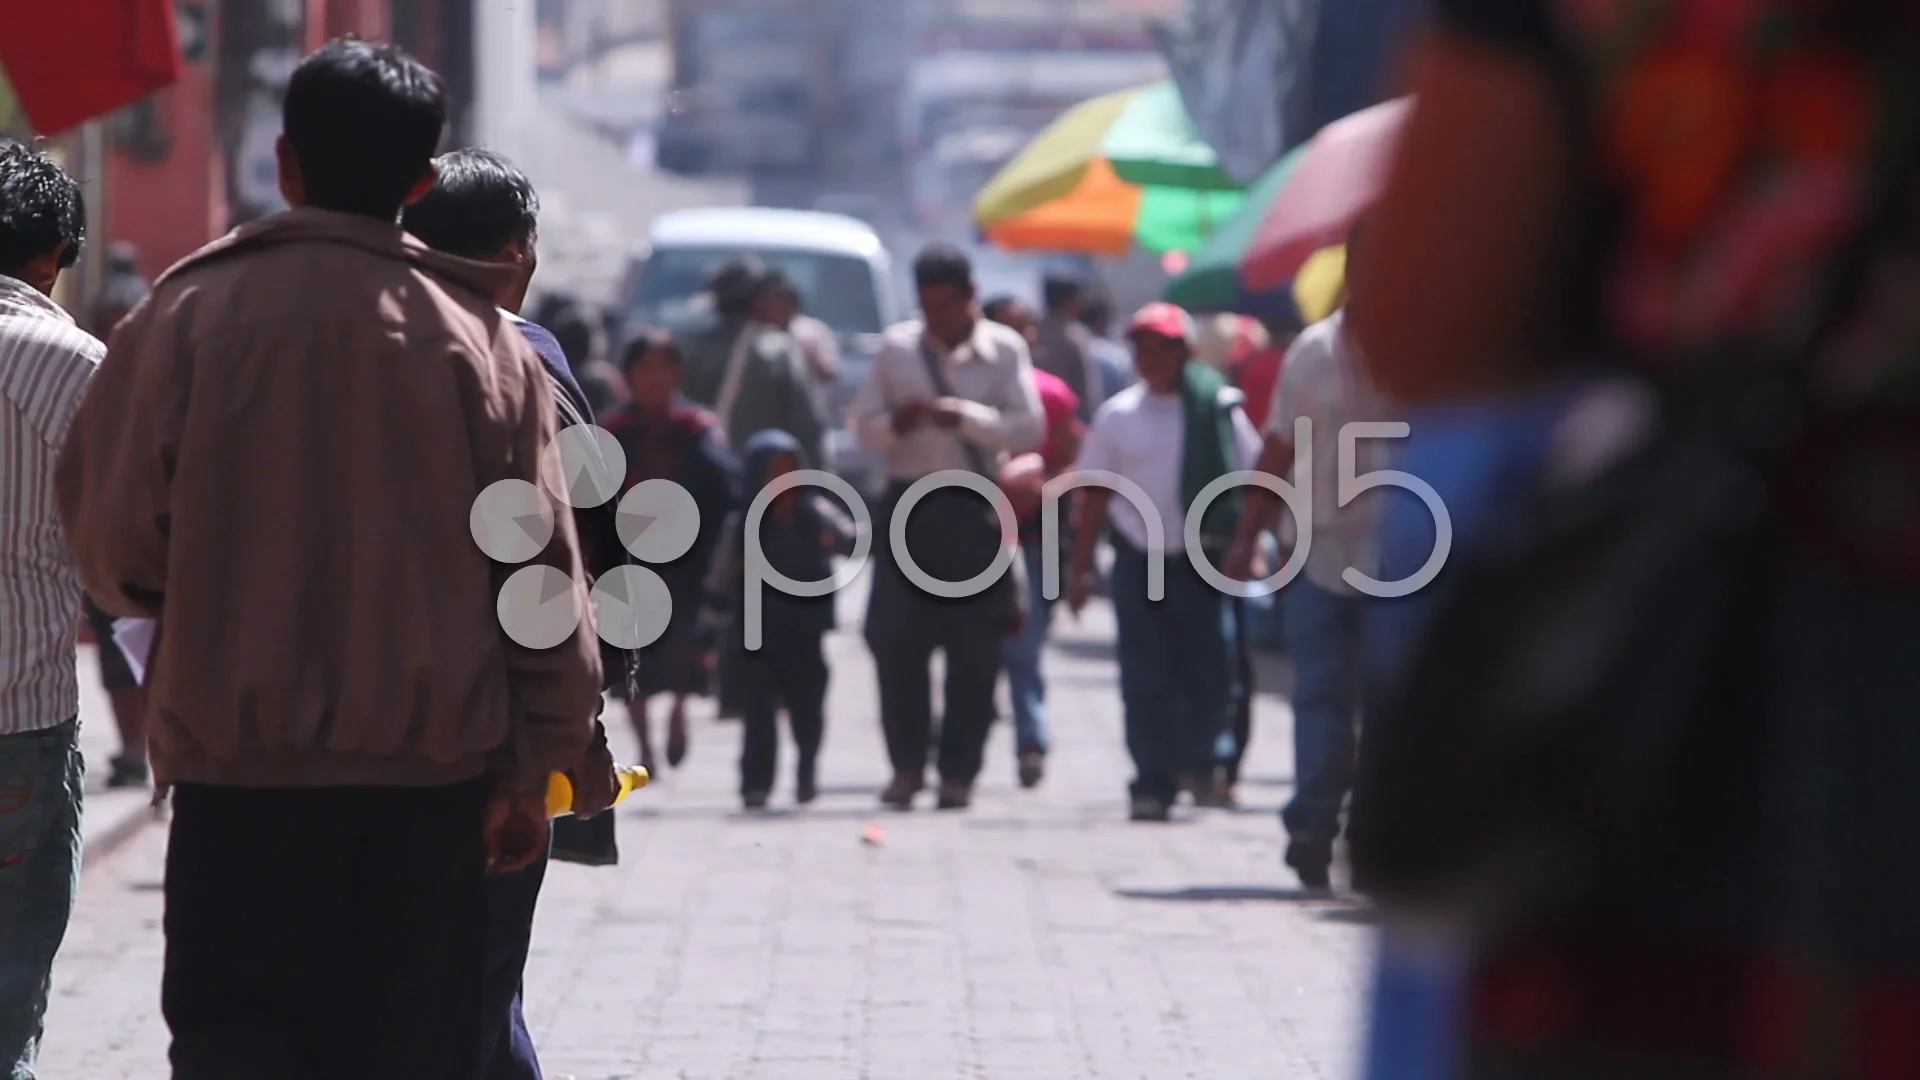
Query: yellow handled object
{"x": 560, "y": 789}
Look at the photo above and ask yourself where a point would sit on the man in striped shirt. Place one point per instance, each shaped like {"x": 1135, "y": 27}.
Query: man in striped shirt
{"x": 45, "y": 361}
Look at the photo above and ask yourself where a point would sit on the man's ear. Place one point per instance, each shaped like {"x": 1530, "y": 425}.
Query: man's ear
{"x": 293, "y": 183}
{"x": 42, "y": 271}
{"x": 423, "y": 185}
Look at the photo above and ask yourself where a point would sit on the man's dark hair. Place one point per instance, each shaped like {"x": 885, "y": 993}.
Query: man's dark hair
{"x": 737, "y": 284}
{"x": 363, "y": 120}
{"x": 40, "y": 209}
{"x": 1061, "y": 291}
{"x": 645, "y": 340}
{"x": 573, "y": 329}
{"x": 996, "y": 309}
{"x": 479, "y": 204}
{"x": 943, "y": 264}
{"x": 1096, "y": 314}
{"x": 777, "y": 283}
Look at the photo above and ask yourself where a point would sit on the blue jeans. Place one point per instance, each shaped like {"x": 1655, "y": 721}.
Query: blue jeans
{"x": 1179, "y": 671}
{"x": 40, "y": 785}
{"x": 1478, "y": 455}
{"x": 1323, "y": 632}
{"x": 1020, "y": 655}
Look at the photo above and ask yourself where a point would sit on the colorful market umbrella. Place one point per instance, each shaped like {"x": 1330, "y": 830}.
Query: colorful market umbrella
{"x": 1340, "y": 175}
{"x": 1144, "y": 133}
{"x": 1211, "y": 281}
{"x": 1105, "y": 215}
{"x": 71, "y": 61}
{"x": 1321, "y": 284}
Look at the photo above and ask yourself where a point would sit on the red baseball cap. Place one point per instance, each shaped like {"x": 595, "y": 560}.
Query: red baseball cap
{"x": 1167, "y": 320}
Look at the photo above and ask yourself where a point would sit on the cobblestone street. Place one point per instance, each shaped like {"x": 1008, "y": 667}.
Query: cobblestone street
{"x": 1038, "y": 936}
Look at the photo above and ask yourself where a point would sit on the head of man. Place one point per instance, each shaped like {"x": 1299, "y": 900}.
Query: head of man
{"x": 653, "y": 368}
{"x": 1064, "y": 296}
{"x": 362, "y": 122}
{"x": 943, "y": 277}
{"x": 1008, "y": 311}
{"x": 1096, "y": 312}
{"x": 1163, "y": 337}
{"x": 737, "y": 287}
{"x": 481, "y": 207}
{"x": 779, "y": 301}
{"x": 43, "y": 221}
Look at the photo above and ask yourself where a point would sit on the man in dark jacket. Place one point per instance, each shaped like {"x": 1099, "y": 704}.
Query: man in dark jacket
{"x": 482, "y": 207}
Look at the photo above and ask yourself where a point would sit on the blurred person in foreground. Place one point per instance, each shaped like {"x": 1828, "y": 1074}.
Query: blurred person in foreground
{"x": 1062, "y": 347}
{"x": 751, "y": 374}
{"x": 1700, "y": 194}
{"x": 1173, "y": 433}
{"x": 668, "y": 439}
{"x": 482, "y": 207}
{"x": 279, "y": 461}
{"x": 1324, "y": 382}
{"x": 948, "y": 392}
{"x": 45, "y": 362}
{"x": 120, "y": 292}
{"x": 797, "y": 535}
{"x": 1024, "y": 480}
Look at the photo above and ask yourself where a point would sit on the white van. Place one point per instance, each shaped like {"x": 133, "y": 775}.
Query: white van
{"x": 841, "y": 268}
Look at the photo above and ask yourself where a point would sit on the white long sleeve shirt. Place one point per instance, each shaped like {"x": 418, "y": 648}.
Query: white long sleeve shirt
{"x": 990, "y": 372}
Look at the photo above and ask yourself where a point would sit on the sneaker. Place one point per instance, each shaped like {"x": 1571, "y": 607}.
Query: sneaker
{"x": 754, "y": 800}
{"x": 125, "y": 772}
{"x": 1150, "y": 808}
{"x": 1033, "y": 768}
{"x": 899, "y": 794}
{"x": 1312, "y": 860}
{"x": 955, "y": 795}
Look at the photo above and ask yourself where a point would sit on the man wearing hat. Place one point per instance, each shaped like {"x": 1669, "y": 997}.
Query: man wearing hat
{"x": 1171, "y": 434}
{"x": 753, "y": 375}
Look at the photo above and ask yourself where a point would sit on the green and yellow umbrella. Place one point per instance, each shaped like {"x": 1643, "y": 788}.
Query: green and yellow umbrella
{"x": 1120, "y": 170}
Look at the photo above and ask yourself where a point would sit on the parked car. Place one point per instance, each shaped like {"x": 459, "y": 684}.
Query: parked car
{"x": 839, "y": 264}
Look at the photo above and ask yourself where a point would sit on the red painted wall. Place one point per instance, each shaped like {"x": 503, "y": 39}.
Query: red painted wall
{"x": 170, "y": 206}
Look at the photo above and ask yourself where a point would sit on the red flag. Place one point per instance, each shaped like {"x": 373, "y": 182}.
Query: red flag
{"x": 77, "y": 59}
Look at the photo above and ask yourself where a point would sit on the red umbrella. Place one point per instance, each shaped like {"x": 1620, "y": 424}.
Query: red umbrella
{"x": 1342, "y": 173}
{"x": 72, "y": 60}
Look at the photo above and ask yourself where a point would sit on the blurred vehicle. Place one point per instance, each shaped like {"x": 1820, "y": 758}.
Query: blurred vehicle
{"x": 841, "y": 268}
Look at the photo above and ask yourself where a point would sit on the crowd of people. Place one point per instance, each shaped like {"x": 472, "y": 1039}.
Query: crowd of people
{"x": 1657, "y": 823}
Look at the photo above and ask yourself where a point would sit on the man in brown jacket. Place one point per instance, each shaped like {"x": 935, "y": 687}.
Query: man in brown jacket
{"x": 279, "y": 460}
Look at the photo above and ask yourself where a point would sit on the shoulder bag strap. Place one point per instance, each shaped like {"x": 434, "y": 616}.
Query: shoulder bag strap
{"x": 975, "y": 460}
{"x": 735, "y": 375}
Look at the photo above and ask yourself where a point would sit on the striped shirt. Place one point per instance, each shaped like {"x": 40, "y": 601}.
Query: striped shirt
{"x": 45, "y": 361}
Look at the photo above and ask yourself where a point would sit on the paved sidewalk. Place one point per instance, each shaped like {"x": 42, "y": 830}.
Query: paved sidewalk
{"x": 1039, "y": 936}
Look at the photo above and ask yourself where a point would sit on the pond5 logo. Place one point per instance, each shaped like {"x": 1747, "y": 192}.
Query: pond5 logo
{"x": 512, "y": 521}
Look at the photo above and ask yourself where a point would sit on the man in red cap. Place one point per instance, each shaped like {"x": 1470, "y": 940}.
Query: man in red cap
{"x": 1166, "y": 438}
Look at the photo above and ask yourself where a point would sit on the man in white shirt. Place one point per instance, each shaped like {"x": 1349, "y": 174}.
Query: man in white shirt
{"x": 950, "y": 391}
{"x": 1178, "y": 658}
{"x": 1323, "y": 381}
{"x": 45, "y": 362}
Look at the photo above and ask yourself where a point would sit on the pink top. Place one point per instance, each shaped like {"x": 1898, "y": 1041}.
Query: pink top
{"x": 1058, "y": 402}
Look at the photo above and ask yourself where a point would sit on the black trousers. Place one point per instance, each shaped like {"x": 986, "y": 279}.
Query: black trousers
{"x": 788, "y": 669}
{"x": 904, "y": 629}
{"x": 1243, "y": 707}
{"x": 321, "y": 933}
{"x": 506, "y": 1047}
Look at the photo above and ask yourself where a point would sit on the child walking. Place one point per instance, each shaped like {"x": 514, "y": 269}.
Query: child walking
{"x": 667, "y": 438}
{"x": 799, "y": 534}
